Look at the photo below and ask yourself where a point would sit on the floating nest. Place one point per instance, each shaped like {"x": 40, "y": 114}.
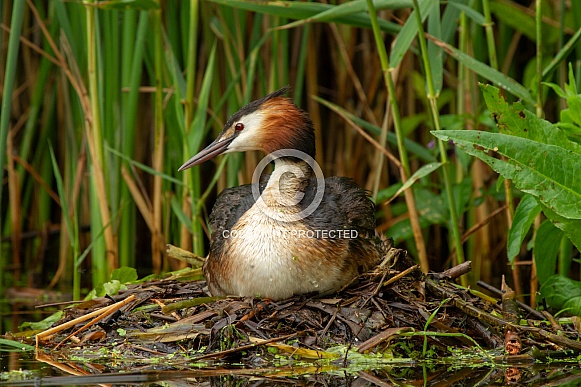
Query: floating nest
{"x": 393, "y": 315}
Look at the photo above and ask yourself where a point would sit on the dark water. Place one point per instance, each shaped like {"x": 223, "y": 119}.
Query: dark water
{"x": 42, "y": 375}
{"x": 26, "y": 369}
{"x": 18, "y": 369}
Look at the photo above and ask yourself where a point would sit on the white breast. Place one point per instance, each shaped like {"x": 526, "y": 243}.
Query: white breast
{"x": 276, "y": 259}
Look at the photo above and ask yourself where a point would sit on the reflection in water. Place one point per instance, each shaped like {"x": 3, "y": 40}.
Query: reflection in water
{"x": 50, "y": 372}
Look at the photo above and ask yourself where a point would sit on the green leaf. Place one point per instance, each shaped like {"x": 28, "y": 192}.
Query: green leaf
{"x": 72, "y": 232}
{"x": 561, "y": 55}
{"x": 545, "y": 249}
{"x": 14, "y": 346}
{"x": 562, "y": 293}
{"x": 514, "y": 15}
{"x": 485, "y": 71}
{"x": 408, "y": 33}
{"x": 349, "y": 8}
{"x": 548, "y": 172}
{"x": 176, "y": 207}
{"x": 300, "y": 10}
{"x": 196, "y": 132}
{"x": 472, "y": 13}
{"x": 525, "y": 214}
{"x": 111, "y": 288}
{"x": 144, "y": 167}
{"x": 43, "y": 324}
{"x": 432, "y": 208}
{"x": 571, "y": 227}
{"x": 435, "y": 53}
{"x": 515, "y": 120}
{"x": 556, "y": 88}
{"x": 119, "y": 277}
{"x": 126, "y": 5}
{"x": 124, "y": 275}
{"x": 423, "y": 171}
{"x": 386, "y": 193}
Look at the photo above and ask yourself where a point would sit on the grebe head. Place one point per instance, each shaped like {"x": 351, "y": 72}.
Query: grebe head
{"x": 267, "y": 124}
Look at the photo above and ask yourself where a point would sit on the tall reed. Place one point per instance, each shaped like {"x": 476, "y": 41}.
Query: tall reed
{"x": 126, "y": 92}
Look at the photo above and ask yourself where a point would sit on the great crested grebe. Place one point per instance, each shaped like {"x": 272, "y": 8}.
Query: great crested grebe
{"x": 296, "y": 232}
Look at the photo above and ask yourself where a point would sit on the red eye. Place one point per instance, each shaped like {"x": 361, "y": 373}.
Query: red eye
{"x": 239, "y": 127}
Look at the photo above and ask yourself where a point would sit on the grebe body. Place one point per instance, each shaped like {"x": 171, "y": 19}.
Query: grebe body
{"x": 269, "y": 240}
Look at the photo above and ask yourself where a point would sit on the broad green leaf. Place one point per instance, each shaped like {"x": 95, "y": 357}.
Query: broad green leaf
{"x": 111, "y": 288}
{"x": 386, "y": 193}
{"x": 562, "y": 293}
{"x": 108, "y": 288}
{"x": 571, "y": 227}
{"x": 485, "y": 71}
{"x": 43, "y": 324}
{"x": 548, "y": 172}
{"x": 570, "y": 117}
{"x": 408, "y": 33}
{"x": 124, "y": 275}
{"x": 422, "y": 172}
{"x": 118, "y": 279}
{"x": 525, "y": 214}
{"x": 515, "y": 120}
{"x": 545, "y": 249}
{"x": 432, "y": 209}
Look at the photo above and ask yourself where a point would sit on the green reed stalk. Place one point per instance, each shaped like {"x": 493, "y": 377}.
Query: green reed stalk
{"x": 280, "y": 66}
{"x": 566, "y": 247}
{"x": 39, "y": 129}
{"x": 110, "y": 27}
{"x": 158, "y": 147}
{"x": 9, "y": 78}
{"x": 432, "y": 98}
{"x": 405, "y": 168}
{"x": 539, "y": 110}
{"x": 133, "y": 48}
{"x": 463, "y": 89}
{"x": 104, "y": 255}
{"x": 71, "y": 222}
{"x": 302, "y": 61}
{"x": 233, "y": 52}
{"x": 191, "y": 63}
{"x": 539, "y": 67}
{"x": 489, "y": 34}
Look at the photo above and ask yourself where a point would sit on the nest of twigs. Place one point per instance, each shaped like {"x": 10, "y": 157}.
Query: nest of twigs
{"x": 391, "y": 314}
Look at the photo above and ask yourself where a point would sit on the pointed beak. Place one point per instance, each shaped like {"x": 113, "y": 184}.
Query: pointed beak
{"x": 214, "y": 149}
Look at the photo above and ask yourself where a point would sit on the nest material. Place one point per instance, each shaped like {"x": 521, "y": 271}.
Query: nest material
{"x": 382, "y": 310}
